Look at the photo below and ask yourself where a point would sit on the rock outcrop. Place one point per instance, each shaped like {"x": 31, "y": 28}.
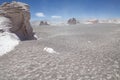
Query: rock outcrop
{"x": 16, "y": 17}
{"x": 44, "y": 23}
{"x": 72, "y": 21}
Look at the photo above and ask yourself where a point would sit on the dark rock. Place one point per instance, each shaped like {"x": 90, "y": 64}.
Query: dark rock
{"x": 72, "y": 21}
{"x": 44, "y": 23}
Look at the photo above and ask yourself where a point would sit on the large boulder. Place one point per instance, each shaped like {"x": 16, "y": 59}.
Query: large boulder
{"x": 16, "y": 17}
{"x": 44, "y": 23}
{"x": 72, "y": 21}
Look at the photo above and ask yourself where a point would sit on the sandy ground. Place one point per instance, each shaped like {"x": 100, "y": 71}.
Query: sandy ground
{"x": 85, "y": 52}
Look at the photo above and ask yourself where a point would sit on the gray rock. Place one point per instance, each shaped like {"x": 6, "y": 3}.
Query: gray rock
{"x": 18, "y": 15}
{"x": 44, "y": 23}
{"x": 72, "y": 21}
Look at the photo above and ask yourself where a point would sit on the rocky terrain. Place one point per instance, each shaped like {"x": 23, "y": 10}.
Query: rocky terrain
{"x": 76, "y": 52}
{"x": 69, "y": 52}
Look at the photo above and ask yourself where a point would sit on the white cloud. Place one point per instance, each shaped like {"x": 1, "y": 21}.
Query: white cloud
{"x": 56, "y": 17}
{"x": 40, "y": 14}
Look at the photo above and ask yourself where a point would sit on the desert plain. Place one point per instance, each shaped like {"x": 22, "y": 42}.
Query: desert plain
{"x": 78, "y": 52}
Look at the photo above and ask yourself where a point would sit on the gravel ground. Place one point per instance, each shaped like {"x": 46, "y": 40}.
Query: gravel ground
{"x": 86, "y": 52}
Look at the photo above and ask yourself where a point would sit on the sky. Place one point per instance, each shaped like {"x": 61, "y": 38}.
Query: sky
{"x": 65, "y": 9}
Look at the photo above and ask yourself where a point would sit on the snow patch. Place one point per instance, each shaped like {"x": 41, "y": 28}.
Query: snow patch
{"x": 7, "y": 42}
{"x": 50, "y": 50}
{"x": 5, "y": 23}
{"x": 36, "y": 36}
{"x": 89, "y": 42}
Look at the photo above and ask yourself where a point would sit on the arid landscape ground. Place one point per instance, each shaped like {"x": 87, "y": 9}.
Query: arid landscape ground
{"x": 81, "y": 52}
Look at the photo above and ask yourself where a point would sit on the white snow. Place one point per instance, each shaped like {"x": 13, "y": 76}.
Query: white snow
{"x": 88, "y": 22}
{"x": 36, "y": 36}
{"x": 50, "y": 50}
{"x": 7, "y": 42}
{"x": 89, "y": 42}
{"x": 5, "y": 23}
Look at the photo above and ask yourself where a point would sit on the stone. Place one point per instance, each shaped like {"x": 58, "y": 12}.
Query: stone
{"x": 16, "y": 19}
{"x": 72, "y": 21}
{"x": 44, "y": 23}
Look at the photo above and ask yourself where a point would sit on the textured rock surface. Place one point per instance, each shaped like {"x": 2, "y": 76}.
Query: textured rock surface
{"x": 17, "y": 14}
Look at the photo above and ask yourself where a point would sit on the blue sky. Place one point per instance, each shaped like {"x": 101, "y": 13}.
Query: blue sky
{"x": 64, "y": 9}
